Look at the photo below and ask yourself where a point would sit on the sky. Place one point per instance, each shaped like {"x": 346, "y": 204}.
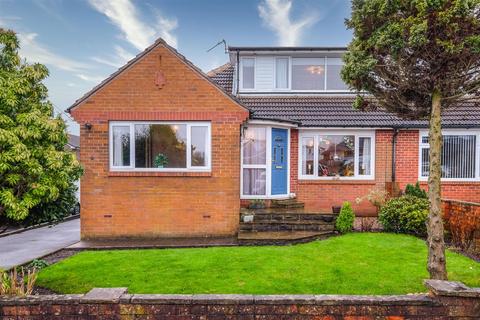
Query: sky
{"x": 82, "y": 42}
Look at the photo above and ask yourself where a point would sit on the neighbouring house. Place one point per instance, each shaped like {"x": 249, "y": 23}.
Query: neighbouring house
{"x": 169, "y": 151}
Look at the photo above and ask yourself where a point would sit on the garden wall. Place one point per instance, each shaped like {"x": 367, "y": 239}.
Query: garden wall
{"x": 462, "y": 221}
{"x": 446, "y": 300}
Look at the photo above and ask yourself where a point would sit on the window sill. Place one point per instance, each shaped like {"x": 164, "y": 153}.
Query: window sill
{"x": 340, "y": 181}
{"x": 452, "y": 182}
{"x": 159, "y": 174}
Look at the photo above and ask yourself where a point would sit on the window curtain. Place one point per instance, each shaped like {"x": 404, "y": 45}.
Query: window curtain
{"x": 254, "y": 182}
{"x": 281, "y": 73}
{"x": 364, "y": 156}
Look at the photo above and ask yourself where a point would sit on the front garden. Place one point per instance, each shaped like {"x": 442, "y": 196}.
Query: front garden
{"x": 356, "y": 263}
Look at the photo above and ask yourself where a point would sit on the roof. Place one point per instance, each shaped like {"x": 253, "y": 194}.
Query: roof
{"x": 223, "y": 76}
{"x": 287, "y": 49}
{"x": 158, "y": 42}
{"x": 73, "y": 141}
{"x": 323, "y": 110}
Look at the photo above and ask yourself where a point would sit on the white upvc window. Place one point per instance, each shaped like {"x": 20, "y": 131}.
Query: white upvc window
{"x": 247, "y": 73}
{"x": 160, "y": 146}
{"x": 336, "y": 155}
{"x": 282, "y": 73}
{"x": 460, "y": 159}
{"x": 254, "y": 161}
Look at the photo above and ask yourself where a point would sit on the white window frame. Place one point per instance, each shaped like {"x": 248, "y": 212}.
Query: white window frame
{"x": 290, "y": 76}
{"x": 289, "y": 80}
{"x": 267, "y": 166}
{"x": 240, "y": 70}
{"x": 189, "y": 167}
{"x": 316, "y": 133}
{"x": 451, "y": 132}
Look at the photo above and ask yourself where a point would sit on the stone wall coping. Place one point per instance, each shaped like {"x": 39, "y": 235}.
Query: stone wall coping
{"x": 451, "y": 289}
{"x": 121, "y": 296}
{"x": 475, "y": 204}
{"x": 219, "y": 299}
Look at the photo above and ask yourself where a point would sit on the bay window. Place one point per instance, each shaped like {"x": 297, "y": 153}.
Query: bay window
{"x": 343, "y": 155}
{"x": 254, "y": 161}
{"x": 459, "y": 158}
{"x": 157, "y": 146}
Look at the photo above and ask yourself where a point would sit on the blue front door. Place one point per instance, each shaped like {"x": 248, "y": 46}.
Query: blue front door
{"x": 279, "y": 161}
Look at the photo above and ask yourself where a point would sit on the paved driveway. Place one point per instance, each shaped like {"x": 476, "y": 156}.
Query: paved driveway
{"x": 23, "y": 247}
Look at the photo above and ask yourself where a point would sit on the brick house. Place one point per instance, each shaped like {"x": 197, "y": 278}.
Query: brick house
{"x": 169, "y": 151}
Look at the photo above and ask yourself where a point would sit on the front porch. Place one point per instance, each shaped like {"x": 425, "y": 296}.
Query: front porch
{"x": 284, "y": 221}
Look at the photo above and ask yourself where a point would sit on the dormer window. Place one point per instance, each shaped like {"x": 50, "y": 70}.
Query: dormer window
{"x": 248, "y": 73}
{"x": 334, "y": 80}
{"x": 305, "y": 73}
{"x": 282, "y": 73}
{"x": 308, "y": 74}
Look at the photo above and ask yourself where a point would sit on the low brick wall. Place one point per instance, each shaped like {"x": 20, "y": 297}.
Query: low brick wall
{"x": 446, "y": 300}
{"x": 462, "y": 221}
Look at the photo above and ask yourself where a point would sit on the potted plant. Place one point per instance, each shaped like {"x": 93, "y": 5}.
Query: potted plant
{"x": 160, "y": 161}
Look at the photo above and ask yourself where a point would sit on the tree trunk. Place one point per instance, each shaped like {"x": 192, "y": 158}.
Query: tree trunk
{"x": 436, "y": 245}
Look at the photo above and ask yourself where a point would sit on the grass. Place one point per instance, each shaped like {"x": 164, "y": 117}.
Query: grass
{"x": 361, "y": 263}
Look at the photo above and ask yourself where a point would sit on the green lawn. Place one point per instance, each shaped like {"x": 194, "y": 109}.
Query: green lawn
{"x": 362, "y": 263}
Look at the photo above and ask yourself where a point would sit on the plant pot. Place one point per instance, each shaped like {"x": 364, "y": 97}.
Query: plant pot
{"x": 248, "y": 218}
{"x": 336, "y": 209}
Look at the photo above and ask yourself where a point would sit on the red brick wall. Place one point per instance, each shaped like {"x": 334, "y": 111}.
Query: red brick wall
{"x": 321, "y": 195}
{"x": 161, "y": 204}
{"x": 407, "y": 170}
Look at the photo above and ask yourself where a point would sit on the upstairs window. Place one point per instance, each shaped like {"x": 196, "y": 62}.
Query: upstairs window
{"x": 460, "y": 156}
{"x": 334, "y": 80}
{"x": 156, "y": 146}
{"x": 248, "y": 73}
{"x": 281, "y": 73}
{"x": 308, "y": 73}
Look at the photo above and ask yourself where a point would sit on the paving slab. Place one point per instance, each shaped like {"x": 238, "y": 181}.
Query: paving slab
{"x": 20, "y": 248}
{"x": 160, "y": 243}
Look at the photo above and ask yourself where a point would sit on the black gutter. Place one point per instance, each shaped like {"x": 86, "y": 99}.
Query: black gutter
{"x": 287, "y": 48}
{"x": 252, "y": 117}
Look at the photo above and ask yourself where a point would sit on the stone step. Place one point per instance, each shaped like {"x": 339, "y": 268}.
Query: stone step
{"x": 280, "y": 237}
{"x": 328, "y": 218}
{"x": 264, "y": 227}
{"x": 286, "y": 205}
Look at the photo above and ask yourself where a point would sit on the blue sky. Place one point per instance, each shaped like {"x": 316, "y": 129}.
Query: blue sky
{"x": 84, "y": 41}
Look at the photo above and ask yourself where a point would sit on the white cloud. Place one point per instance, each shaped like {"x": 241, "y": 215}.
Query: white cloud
{"x": 89, "y": 78}
{"x": 276, "y": 15}
{"x": 117, "y": 60}
{"x": 34, "y": 51}
{"x": 124, "y": 15}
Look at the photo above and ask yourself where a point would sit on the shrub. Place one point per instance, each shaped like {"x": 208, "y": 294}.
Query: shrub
{"x": 344, "y": 223}
{"x": 38, "y": 264}
{"x": 17, "y": 284}
{"x": 462, "y": 221}
{"x": 416, "y": 191}
{"x": 406, "y": 214}
{"x": 55, "y": 211}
